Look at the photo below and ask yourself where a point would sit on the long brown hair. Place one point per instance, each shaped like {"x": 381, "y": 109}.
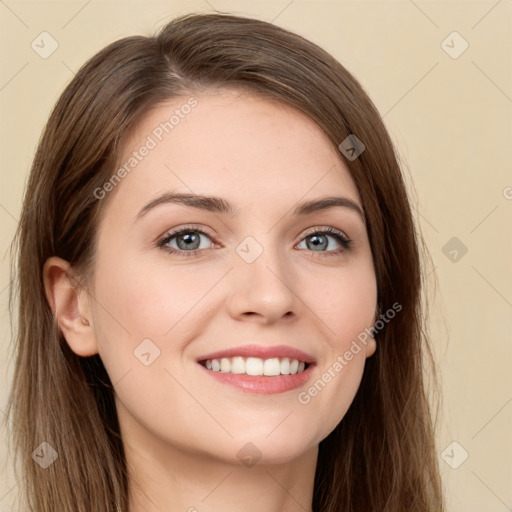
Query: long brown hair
{"x": 381, "y": 457}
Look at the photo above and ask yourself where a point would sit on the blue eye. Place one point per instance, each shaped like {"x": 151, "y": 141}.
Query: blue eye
{"x": 318, "y": 239}
{"x": 187, "y": 241}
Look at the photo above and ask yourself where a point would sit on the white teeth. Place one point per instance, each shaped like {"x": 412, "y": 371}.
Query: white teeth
{"x": 256, "y": 366}
{"x": 225, "y": 365}
{"x": 272, "y": 367}
{"x": 237, "y": 365}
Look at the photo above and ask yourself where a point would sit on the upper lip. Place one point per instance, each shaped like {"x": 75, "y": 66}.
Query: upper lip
{"x": 262, "y": 352}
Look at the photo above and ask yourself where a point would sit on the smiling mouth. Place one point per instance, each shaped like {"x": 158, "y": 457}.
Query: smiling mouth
{"x": 256, "y": 366}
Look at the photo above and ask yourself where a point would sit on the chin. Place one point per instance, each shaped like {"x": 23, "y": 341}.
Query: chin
{"x": 277, "y": 448}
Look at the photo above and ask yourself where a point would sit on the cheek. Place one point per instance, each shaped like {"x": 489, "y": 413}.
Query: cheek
{"x": 346, "y": 303}
{"x": 353, "y": 311}
{"x": 149, "y": 301}
{"x": 347, "y": 308}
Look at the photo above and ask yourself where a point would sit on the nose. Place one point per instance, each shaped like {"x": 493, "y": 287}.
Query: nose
{"x": 264, "y": 290}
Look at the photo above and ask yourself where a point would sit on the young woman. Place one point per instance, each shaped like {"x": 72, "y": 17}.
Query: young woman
{"x": 219, "y": 287}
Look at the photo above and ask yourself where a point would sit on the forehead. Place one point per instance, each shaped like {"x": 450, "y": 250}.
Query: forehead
{"x": 231, "y": 143}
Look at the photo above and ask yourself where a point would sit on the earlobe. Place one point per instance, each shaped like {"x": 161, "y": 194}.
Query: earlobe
{"x": 371, "y": 347}
{"x": 70, "y": 305}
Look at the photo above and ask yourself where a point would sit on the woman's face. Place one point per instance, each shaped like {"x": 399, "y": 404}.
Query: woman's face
{"x": 250, "y": 284}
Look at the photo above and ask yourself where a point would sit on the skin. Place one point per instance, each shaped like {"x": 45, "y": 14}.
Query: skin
{"x": 182, "y": 429}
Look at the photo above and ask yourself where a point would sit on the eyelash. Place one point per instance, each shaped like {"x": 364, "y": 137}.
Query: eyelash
{"x": 345, "y": 242}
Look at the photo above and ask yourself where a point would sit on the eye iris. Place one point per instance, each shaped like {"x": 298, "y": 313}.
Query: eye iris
{"x": 316, "y": 241}
{"x": 191, "y": 240}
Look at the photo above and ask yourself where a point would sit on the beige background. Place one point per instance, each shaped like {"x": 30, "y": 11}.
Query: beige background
{"x": 451, "y": 119}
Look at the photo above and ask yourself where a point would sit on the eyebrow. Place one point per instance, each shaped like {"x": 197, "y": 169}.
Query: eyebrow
{"x": 220, "y": 205}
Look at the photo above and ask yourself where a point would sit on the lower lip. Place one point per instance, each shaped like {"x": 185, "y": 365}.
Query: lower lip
{"x": 262, "y": 384}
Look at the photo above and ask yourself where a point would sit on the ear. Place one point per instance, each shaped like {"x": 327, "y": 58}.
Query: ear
{"x": 71, "y": 306}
